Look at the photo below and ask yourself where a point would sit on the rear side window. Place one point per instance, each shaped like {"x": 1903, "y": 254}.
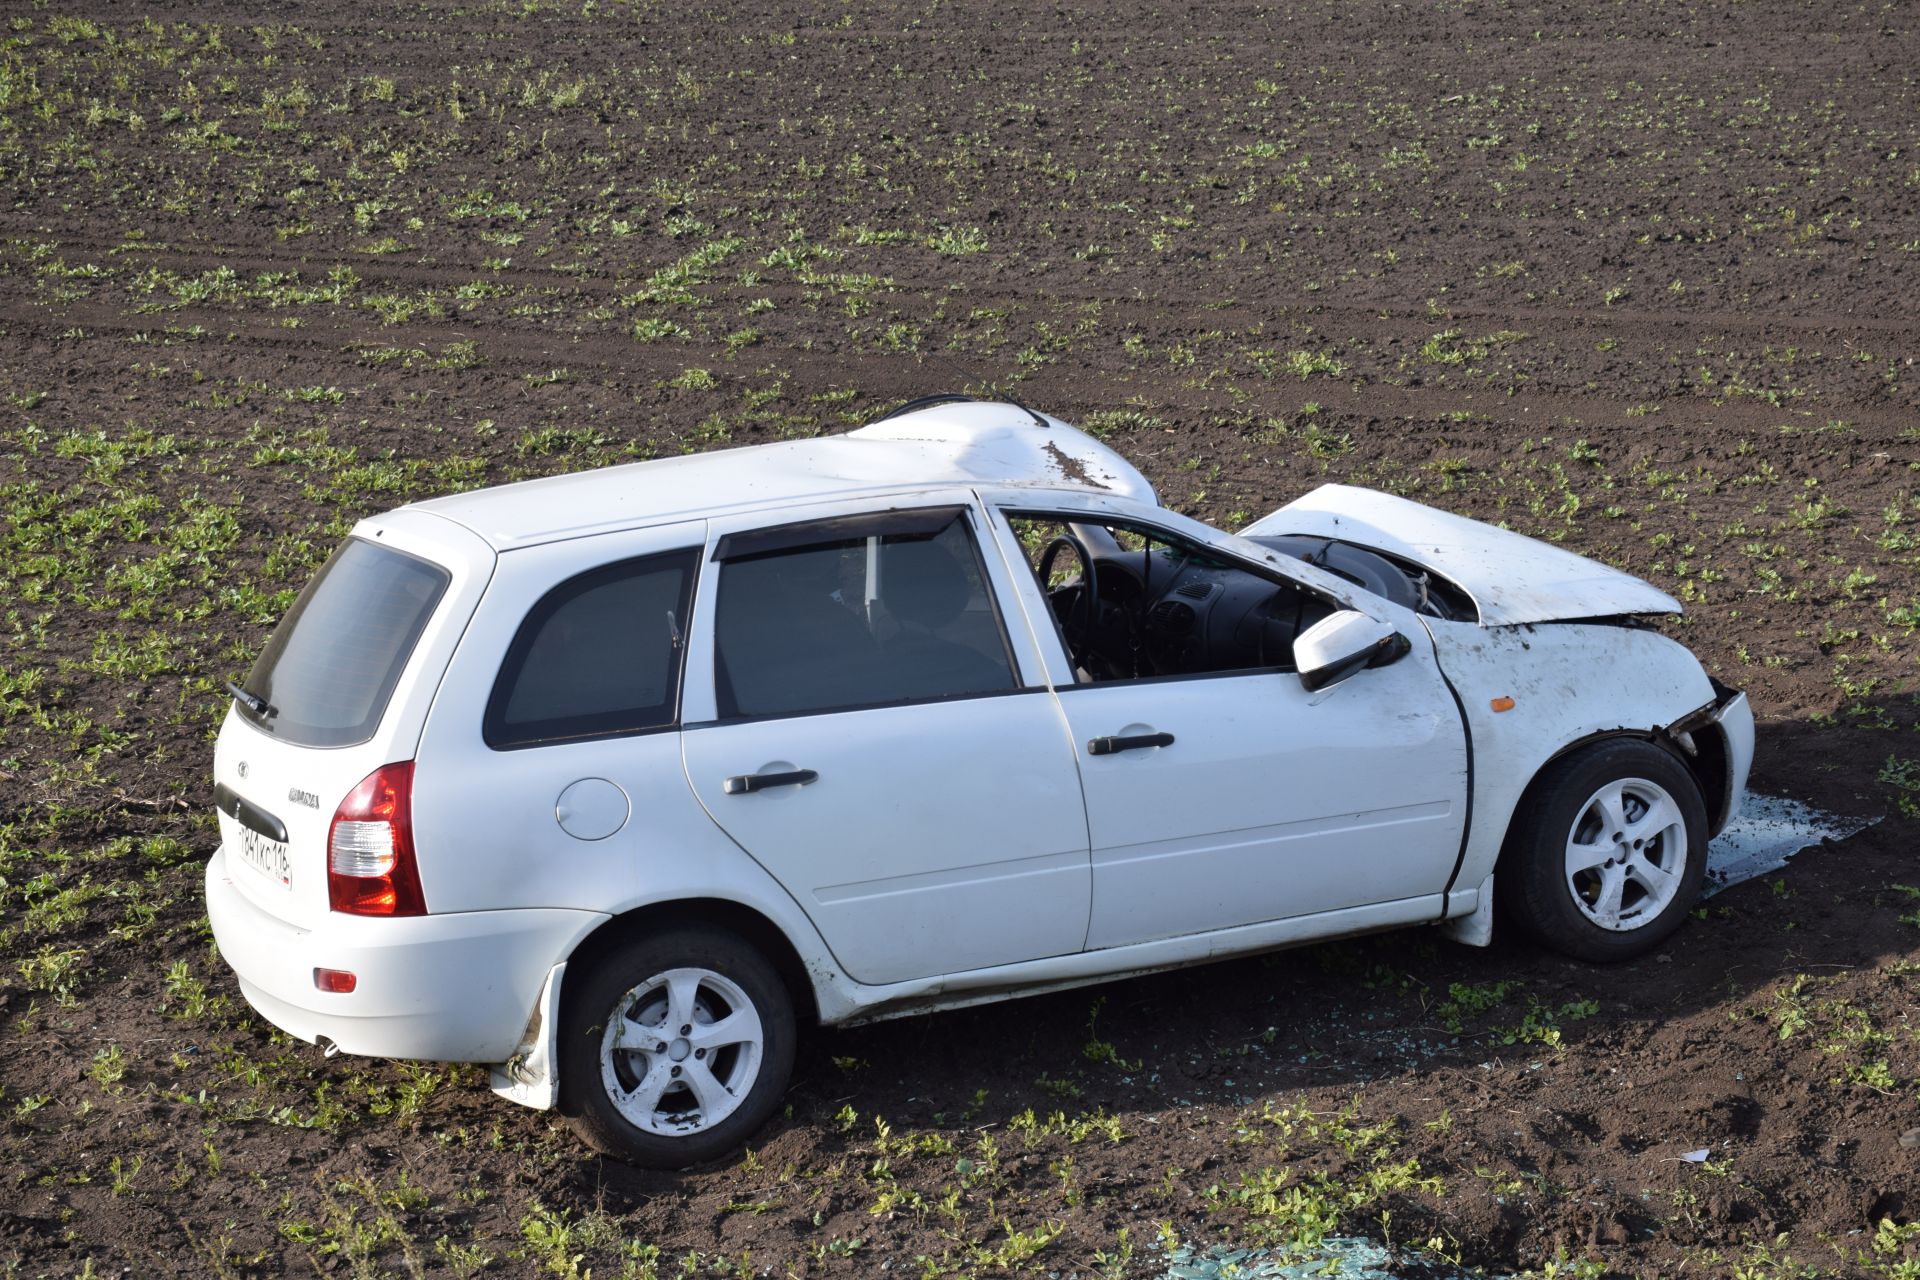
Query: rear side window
{"x": 331, "y": 666}
{"x": 598, "y": 656}
{"x": 861, "y": 612}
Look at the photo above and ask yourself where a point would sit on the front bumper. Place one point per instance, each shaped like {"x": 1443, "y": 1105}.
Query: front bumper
{"x": 451, "y": 988}
{"x": 1735, "y": 718}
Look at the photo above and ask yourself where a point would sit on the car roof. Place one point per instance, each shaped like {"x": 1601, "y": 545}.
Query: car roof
{"x": 940, "y": 447}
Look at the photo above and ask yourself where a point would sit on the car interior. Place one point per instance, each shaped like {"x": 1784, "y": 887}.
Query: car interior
{"x": 1132, "y": 602}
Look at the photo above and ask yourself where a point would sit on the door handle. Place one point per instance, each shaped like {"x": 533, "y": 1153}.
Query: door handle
{"x": 1136, "y": 742}
{"x": 743, "y": 783}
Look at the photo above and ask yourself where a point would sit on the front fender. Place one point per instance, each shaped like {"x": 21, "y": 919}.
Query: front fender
{"x": 1560, "y": 684}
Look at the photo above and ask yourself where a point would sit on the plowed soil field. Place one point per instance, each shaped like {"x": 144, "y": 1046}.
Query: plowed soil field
{"x": 1639, "y": 279}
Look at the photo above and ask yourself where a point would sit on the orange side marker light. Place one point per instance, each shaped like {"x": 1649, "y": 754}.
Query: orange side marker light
{"x": 1502, "y": 703}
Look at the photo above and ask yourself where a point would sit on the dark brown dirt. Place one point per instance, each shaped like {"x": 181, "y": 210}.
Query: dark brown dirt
{"x": 1638, "y": 279}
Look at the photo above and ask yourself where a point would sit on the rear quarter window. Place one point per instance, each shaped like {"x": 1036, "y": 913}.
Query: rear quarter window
{"x": 598, "y": 656}
{"x": 330, "y": 668}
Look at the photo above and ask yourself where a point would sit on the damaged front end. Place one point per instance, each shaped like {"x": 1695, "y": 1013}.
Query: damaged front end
{"x": 1510, "y": 579}
{"x": 1717, "y": 740}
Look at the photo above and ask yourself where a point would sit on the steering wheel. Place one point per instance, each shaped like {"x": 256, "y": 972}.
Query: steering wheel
{"x": 1078, "y": 642}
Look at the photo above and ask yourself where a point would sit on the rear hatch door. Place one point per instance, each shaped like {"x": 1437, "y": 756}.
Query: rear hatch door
{"x": 345, "y": 681}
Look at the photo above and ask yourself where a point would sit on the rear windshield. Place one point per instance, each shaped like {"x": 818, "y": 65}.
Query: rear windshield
{"x": 331, "y": 665}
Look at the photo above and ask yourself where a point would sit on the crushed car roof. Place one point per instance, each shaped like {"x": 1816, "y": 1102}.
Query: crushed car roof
{"x": 973, "y": 442}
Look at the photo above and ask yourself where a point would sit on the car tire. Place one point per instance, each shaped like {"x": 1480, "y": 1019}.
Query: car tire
{"x": 1607, "y": 852}
{"x": 675, "y": 1047}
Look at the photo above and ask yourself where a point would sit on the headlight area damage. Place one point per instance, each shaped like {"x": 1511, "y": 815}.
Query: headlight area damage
{"x": 1561, "y": 692}
{"x": 1508, "y": 578}
{"x": 1547, "y": 655}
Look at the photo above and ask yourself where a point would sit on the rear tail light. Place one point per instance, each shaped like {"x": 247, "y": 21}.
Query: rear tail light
{"x": 370, "y": 865}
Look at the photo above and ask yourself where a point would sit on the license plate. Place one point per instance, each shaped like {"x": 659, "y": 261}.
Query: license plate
{"x": 268, "y": 857}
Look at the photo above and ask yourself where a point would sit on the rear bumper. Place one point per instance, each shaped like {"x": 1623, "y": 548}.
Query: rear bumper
{"x": 452, "y": 988}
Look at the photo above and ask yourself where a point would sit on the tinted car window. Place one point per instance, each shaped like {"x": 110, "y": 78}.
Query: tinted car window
{"x": 599, "y": 655}
{"x": 867, "y": 618}
{"x": 331, "y": 665}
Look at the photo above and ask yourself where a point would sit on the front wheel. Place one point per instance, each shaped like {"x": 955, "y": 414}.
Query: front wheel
{"x": 1608, "y": 851}
{"x": 676, "y": 1047}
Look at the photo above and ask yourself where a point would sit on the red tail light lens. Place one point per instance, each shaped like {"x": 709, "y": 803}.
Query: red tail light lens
{"x": 370, "y": 865}
{"x": 338, "y": 981}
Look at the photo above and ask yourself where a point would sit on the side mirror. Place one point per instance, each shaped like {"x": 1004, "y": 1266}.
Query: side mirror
{"x": 1337, "y": 646}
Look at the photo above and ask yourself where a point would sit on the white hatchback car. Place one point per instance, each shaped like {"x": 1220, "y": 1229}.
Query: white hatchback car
{"x": 611, "y": 780}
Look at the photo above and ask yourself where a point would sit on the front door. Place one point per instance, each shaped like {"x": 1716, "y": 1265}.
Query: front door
{"x": 1266, "y": 801}
{"x": 1225, "y": 794}
{"x": 875, "y": 743}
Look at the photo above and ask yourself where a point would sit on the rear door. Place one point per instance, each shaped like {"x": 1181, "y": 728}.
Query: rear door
{"x": 347, "y": 677}
{"x": 860, "y": 721}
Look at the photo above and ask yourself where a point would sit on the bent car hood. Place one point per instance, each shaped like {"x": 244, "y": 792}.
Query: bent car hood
{"x": 1511, "y": 577}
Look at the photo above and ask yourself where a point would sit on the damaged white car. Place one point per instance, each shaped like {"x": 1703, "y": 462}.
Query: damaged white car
{"x": 615, "y": 780}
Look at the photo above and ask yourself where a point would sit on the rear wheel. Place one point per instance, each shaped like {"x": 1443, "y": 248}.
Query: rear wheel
{"x": 676, "y": 1047}
{"x": 1608, "y": 851}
